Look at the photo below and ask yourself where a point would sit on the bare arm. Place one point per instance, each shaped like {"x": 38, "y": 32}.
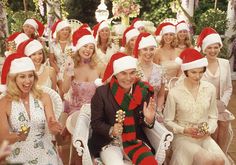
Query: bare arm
{"x": 156, "y": 58}
{"x": 53, "y": 78}
{"x": 53, "y": 62}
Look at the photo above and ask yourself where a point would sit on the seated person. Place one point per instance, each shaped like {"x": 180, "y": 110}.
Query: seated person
{"x": 112, "y": 137}
{"x": 191, "y": 113}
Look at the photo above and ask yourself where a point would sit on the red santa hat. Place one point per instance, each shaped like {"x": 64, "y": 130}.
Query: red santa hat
{"x": 98, "y": 27}
{"x": 119, "y": 62}
{"x": 29, "y": 47}
{"x": 137, "y": 23}
{"x": 82, "y": 37}
{"x": 57, "y": 26}
{"x": 85, "y": 26}
{"x": 38, "y": 26}
{"x": 164, "y": 28}
{"x": 182, "y": 25}
{"x": 143, "y": 40}
{"x": 207, "y": 37}
{"x": 18, "y": 38}
{"x": 6, "y": 67}
{"x": 128, "y": 34}
{"x": 191, "y": 59}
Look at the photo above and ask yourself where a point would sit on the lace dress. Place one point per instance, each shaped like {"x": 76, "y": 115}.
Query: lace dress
{"x": 80, "y": 93}
{"x": 37, "y": 148}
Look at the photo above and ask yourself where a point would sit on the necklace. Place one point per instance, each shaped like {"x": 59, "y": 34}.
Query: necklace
{"x": 40, "y": 71}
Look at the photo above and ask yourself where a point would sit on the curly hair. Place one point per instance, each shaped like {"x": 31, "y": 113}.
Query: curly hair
{"x": 187, "y": 41}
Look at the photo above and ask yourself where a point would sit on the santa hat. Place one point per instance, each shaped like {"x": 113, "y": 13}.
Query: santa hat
{"x": 18, "y": 38}
{"x": 191, "y": 59}
{"x": 38, "y": 26}
{"x": 143, "y": 40}
{"x": 85, "y": 26}
{"x": 207, "y": 37}
{"x": 128, "y": 34}
{"x": 82, "y": 37}
{"x": 137, "y": 23}
{"x": 98, "y": 27}
{"x": 119, "y": 62}
{"x": 182, "y": 25}
{"x": 22, "y": 64}
{"x": 57, "y": 26}
{"x": 164, "y": 28}
{"x": 6, "y": 67}
{"x": 29, "y": 47}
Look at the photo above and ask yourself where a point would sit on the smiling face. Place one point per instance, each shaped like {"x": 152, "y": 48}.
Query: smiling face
{"x": 212, "y": 51}
{"x": 25, "y": 81}
{"x": 168, "y": 38}
{"x": 104, "y": 33}
{"x": 64, "y": 33}
{"x": 86, "y": 51}
{"x": 126, "y": 79}
{"x": 37, "y": 57}
{"x": 147, "y": 54}
{"x": 182, "y": 34}
{"x": 28, "y": 30}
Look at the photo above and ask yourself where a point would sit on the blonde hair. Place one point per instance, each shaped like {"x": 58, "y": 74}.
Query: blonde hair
{"x": 187, "y": 41}
{"x": 172, "y": 44}
{"x": 13, "y": 91}
{"x": 77, "y": 59}
{"x": 109, "y": 42}
{"x": 58, "y": 37}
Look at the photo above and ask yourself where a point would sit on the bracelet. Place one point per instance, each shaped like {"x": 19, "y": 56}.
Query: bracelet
{"x": 148, "y": 124}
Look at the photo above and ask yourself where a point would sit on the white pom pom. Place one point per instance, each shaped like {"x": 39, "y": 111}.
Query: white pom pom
{"x": 158, "y": 39}
{"x": 198, "y": 48}
{"x": 178, "y": 60}
{"x": 98, "y": 82}
{"x": 3, "y": 88}
{"x": 122, "y": 49}
{"x": 7, "y": 53}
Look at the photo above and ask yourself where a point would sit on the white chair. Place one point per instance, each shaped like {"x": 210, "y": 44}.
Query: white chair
{"x": 74, "y": 24}
{"x": 159, "y": 136}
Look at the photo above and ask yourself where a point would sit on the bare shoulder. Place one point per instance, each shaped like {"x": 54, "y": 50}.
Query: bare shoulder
{"x": 45, "y": 98}
{"x": 100, "y": 69}
{"x": 6, "y": 103}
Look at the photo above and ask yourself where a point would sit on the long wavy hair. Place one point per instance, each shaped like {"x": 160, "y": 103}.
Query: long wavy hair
{"x": 99, "y": 42}
{"x": 13, "y": 91}
{"x": 172, "y": 44}
{"x": 187, "y": 41}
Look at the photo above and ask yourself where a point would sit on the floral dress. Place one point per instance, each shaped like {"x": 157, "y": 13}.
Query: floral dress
{"x": 37, "y": 148}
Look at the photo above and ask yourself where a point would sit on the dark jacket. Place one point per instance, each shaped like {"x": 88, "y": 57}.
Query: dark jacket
{"x": 103, "y": 112}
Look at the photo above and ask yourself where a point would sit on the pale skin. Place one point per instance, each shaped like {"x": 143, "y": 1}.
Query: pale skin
{"x": 37, "y": 58}
{"x": 80, "y": 73}
{"x": 126, "y": 80}
{"x": 24, "y": 82}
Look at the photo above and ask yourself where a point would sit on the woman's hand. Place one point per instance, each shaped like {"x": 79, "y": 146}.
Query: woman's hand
{"x": 194, "y": 133}
{"x": 149, "y": 110}
{"x": 69, "y": 66}
{"x": 54, "y": 126}
{"x": 23, "y": 134}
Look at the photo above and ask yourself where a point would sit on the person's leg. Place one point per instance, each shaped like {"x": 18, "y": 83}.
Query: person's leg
{"x": 112, "y": 155}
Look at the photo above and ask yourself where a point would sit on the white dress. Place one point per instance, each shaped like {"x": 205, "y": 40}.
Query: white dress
{"x": 37, "y": 148}
{"x": 183, "y": 111}
{"x": 103, "y": 58}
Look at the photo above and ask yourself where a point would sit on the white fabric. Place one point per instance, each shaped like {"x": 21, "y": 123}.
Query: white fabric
{"x": 194, "y": 64}
{"x": 147, "y": 41}
{"x": 182, "y": 26}
{"x": 123, "y": 64}
{"x": 21, "y": 65}
{"x": 138, "y": 24}
{"x": 31, "y": 22}
{"x": 211, "y": 39}
{"x": 168, "y": 29}
{"x": 160, "y": 138}
{"x": 112, "y": 155}
{"x": 60, "y": 26}
{"x": 130, "y": 34}
{"x": 86, "y": 39}
{"x": 37, "y": 148}
{"x": 33, "y": 47}
{"x": 20, "y": 38}
{"x": 104, "y": 58}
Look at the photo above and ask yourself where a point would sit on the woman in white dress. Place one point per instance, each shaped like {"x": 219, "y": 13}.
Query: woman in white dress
{"x": 191, "y": 114}
{"x": 25, "y": 117}
{"x": 46, "y": 74}
{"x": 144, "y": 50}
{"x": 105, "y": 47}
{"x": 218, "y": 73}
